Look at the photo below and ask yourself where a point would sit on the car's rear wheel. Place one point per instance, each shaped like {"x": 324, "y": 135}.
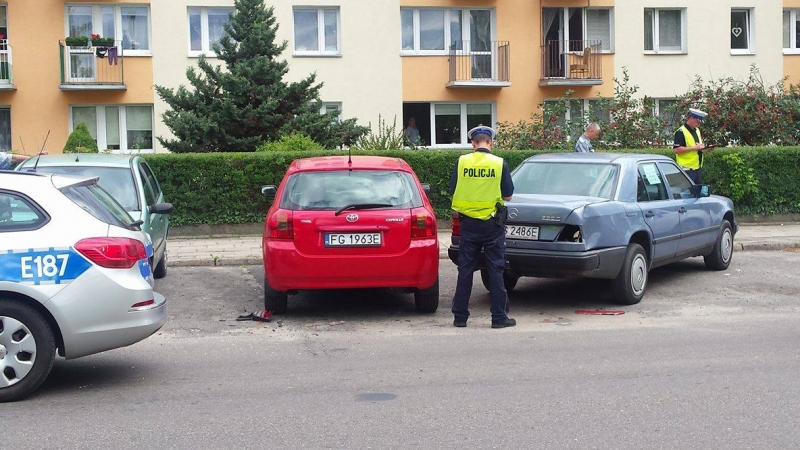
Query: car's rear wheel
{"x": 427, "y": 300}
{"x": 27, "y": 350}
{"x": 509, "y": 281}
{"x": 161, "y": 268}
{"x": 275, "y": 301}
{"x": 720, "y": 257}
{"x": 628, "y": 287}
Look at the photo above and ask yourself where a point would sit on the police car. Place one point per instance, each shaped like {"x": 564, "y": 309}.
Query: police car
{"x": 75, "y": 277}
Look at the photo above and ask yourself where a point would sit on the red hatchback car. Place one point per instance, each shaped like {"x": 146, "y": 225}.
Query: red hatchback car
{"x": 341, "y": 222}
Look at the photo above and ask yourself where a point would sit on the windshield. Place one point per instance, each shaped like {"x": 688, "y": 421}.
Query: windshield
{"x": 340, "y": 188}
{"x": 118, "y": 181}
{"x": 97, "y": 202}
{"x": 551, "y": 178}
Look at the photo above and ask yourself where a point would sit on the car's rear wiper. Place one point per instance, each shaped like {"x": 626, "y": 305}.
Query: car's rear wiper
{"x": 362, "y": 206}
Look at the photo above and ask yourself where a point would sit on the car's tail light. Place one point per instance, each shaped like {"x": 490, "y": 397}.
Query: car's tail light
{"x": 112, "y": 252}
{"x": 456, "y": 224}
{"x": 143, "y": 304}
{"x": 422, "y": 226}
{"x": 279, "y": 225}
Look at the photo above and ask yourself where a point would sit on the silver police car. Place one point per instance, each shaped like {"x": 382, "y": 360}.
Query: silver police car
{"x": 75, "y": 277}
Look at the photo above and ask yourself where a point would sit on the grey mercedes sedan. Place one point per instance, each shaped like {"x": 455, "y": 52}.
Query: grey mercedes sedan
{"x": 610, "y": 216}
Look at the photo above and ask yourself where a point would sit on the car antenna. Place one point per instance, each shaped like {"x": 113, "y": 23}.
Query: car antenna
{"x": 39, "y": 156}
{"x": 23, "y": 144}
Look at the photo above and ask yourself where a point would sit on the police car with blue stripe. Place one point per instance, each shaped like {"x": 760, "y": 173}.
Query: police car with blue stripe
{"x": 75, "y": 277}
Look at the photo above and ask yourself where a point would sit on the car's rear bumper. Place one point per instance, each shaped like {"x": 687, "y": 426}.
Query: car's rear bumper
{"x": 286, "y": 269}
{"x": 601, "y": 263}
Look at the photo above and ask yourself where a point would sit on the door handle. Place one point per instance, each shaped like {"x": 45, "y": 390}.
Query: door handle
{"x": 649, "y": 214}
{"x": 681, "y": 210}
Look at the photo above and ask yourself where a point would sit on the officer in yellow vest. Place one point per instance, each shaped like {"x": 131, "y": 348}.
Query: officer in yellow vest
{"x": 689, "y": 147}
{"x": 480, "y": 183}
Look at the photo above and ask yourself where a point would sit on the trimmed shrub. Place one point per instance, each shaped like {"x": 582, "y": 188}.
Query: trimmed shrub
{"x": 80, "y": 141}
{"x": 293, "y": 142}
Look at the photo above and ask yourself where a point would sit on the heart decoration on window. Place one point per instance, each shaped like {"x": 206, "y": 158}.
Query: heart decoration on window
{"x": 737, "y": 31}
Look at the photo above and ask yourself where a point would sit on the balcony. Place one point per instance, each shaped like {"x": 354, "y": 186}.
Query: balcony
{"x": 92, "y": 68}
{"x": 479, "y": 64}
{"x": 572, "y": 63}
{"x": 6, "y": 68}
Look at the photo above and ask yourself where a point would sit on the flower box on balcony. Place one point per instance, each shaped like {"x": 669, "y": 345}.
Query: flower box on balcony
{"x": 103, "y": 42}
{"x": 77, "y": 41}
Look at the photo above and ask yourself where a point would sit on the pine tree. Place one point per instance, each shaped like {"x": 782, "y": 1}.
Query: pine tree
{"x": 248, "y": 103}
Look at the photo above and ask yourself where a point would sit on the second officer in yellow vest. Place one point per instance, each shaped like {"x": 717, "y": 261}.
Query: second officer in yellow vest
{"x": 689, "y": 147}
{"x": 480, "y": 184}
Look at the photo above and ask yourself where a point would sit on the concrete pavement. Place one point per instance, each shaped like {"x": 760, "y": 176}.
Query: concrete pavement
{"x": 230, "y": 250}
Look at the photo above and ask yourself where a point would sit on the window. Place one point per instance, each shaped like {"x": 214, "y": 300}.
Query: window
{"x": 667, "y": 110}
{"x": 451, "y": 121}
{"x": 679, "y": 183}
{"x": 664, "y": 30}
{"x": 129, "y": 25}
{"x": 316, "y": 31}
{"x": 791, "y": 30}
{"x": 18, "y": 213}
{"x": 579, "y": 110}
{"x": 582, "y": 27}
{"x": 427, "y": 31}
{"x": 5, "y": 54}
{"x": 742, "y": 31}
{"x": 332, "y": 106}
{"x": 206, "y": 27}
{"x": 120, "y": 128}
{"x": 5, "y": 129}
{"x": 650, "y": 184}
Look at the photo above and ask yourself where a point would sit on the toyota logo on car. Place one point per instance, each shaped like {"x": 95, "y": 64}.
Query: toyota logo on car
{"x": 351, "y": 217}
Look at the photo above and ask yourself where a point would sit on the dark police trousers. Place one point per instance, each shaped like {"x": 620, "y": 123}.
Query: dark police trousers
{"x": 695, "y": 175}
{"x": 476, "y": 235}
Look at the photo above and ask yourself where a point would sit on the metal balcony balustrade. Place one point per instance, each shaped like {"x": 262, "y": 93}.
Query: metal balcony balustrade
{"x": 572, "y": 63}
{"x": 92, "y": 68}
{"x": 480, "y": 64}
{"x": 6, "y": 67}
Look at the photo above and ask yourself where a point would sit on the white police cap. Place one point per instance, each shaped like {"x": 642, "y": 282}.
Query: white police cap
{"x": 697, "y": 114}
{"x": 481, "y": 129}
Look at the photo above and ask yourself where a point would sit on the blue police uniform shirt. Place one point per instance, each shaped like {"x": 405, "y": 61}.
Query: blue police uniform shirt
{"x": 506, "y": 184}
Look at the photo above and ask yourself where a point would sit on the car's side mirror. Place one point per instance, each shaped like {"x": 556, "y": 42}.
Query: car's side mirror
{"x": 161, "y": 208}
{"x": 426, "y": 188}
{"x": 269, "y": 191}
{"x": 700, "y": 190}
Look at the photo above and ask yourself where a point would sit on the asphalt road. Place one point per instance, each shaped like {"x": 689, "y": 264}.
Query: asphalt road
{"x": 706, "y": 360}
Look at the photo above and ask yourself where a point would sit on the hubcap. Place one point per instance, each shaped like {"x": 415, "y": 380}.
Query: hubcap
{"x": 727, "y": 246}
{"x": 17, "y": 351}
{"x": 638, "y": 274}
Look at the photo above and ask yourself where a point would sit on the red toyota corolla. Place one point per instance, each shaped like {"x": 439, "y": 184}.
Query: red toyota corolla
{"x": 350, "y": 222}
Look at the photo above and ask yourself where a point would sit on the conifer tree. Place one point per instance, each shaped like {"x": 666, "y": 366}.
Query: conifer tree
{"x": 246, "y": 102}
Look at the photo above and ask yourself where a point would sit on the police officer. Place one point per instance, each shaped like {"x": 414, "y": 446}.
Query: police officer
{"x": 480, "y": 182}
{"x": 688, "y": 145}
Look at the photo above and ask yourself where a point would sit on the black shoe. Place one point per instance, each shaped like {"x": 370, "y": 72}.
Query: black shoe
{"x": 507, "y": 322}
{"x": 461, "y": 323}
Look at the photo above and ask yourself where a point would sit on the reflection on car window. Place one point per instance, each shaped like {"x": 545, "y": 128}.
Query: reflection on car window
{"x": 118, "y": 181}
{"x": 149, "y": 195}
{"x": 679, "y": 183}
{"x": 650, "y": 184}
{"x": 17, "y": 214}
{"x": 151, "y": 179}
{"x": 334, "y": 189}
{"x": 586, "y": 180}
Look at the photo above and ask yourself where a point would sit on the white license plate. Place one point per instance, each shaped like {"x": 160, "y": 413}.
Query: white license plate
{"x": 352, "y": 239}
{"x": 522, "y": 232}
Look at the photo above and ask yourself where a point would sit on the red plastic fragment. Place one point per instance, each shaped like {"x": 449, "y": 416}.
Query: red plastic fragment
{"x": 600, "y": 312}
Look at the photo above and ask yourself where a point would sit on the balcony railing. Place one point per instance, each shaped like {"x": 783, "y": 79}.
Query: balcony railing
{"x": 480, "y": 64}
{"x": 92, "y": 67}
{"x": 6, "y": 68}
{"x": 572, "y": 63}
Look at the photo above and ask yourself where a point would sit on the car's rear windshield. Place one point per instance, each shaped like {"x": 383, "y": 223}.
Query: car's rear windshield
{"x": 99, "y": 203}
{"x": 339, "y": 188}
{"x": 554, "y": 178}
{"x": 118, "y": 181}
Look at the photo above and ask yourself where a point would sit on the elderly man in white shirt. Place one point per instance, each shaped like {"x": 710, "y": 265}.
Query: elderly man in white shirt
{"x": 584, "y": 143}
{"x": 7, "y": 159}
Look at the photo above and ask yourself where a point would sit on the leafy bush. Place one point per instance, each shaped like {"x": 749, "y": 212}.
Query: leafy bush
{"x": 293, "y": 142}
{"x": 386, "y": 138}
{"x": 80, "y": 141}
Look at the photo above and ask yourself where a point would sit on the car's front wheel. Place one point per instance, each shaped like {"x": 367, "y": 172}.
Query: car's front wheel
{"x": 427, "y": 300}
{"x": 275, "y": 301}
{"x": 628, "y": 287}
{"x": 509, "y": 281}
{"x": 27, "y": 350}
{"x": 720, "y": 257}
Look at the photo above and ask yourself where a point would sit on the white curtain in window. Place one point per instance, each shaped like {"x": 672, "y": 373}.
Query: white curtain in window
{"x": 217, "y": 18}
{"x": 79, "y": 20}
{"x": 107, "y": 15}
{"x": 669, "y": 30}
{"x": 87, "y": 115}
{"x": 195, "y": 30}
{"x": 330, "y": 16}
{"x": 787, "y": 23}
{"x": 135, "y": 27}
{"x": 139, "y": 117}
{"x": 306, "y": 30}
{"x": 431, "y": 29}
{"x": 407, "y": 25}
{"x": 648, "y": 29}
{"x": 598, "y": 26}
{"x": 112, "y": 127}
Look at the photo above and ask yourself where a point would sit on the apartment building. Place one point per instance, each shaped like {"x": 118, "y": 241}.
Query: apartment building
{"x": 47, "y": 86}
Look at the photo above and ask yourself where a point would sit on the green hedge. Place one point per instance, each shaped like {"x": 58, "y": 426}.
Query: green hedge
{"x": 224, "y": 188}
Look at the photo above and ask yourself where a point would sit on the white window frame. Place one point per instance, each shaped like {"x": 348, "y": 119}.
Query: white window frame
{"x": 204, "y": 36}
{"x": 463, "y": 122}
{"x": 97, "y": 23}
{"x": 749, "y": 29}
{"x": 585, "y": 25}
{"x": 794, "y": 45}
{"x": 656, "y": 50}
{"x": 332, "y": 105}
{"x": 100, "y": 118}
{"x": 320, "y": 32}
{"x": 465, "y": 30}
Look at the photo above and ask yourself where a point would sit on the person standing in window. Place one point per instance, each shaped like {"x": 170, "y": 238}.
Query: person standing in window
{"x": 412, "y": 133}
{"x": 688, "y": 146}
{"x": 584, "y": 143}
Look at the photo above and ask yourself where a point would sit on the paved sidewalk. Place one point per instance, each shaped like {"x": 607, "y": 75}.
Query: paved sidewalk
{"x": 246, "y": 250}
